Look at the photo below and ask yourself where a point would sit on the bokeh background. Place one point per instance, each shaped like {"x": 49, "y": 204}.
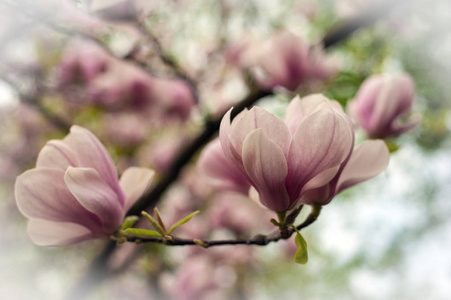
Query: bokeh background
{"x": 389, "y": 238}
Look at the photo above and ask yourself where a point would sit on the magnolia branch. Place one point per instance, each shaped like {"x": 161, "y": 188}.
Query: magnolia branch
{"x": 54, "y": 119}
{"x": 257, "y": 240}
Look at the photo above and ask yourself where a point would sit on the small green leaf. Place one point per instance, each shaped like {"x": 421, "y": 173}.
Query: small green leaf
{"x": 129, "y": 222}
{"x": 154, "y": 223}
{"x": 183, "y": 221}
{"x": 301, "y": 255}
{"x": 142, "y": 232}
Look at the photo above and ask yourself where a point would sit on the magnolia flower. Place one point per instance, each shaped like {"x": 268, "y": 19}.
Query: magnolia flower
{"x": 74, "y": 194}
{"x": 122, "y": 85}
{"x": 82, "y": 63}
{"x": 283, "y": 160}
{"x": 287, "y": 60}
{"x": 368, "y": 160}
{"x": 380, "y": 103}
{"x": 174, "y": 98}
{"x": 219, "y": 172}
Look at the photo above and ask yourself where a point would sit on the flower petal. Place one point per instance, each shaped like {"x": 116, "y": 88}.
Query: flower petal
{"x": 221, "y": 173}
{"x": 368, "y": 160}
{"x": 96, "y": 196}
{"x": 266, "y": 166}
{"x": 42, "y": 194}
{"x": 134, "y": 182}
{"x": 272, "y": 126}
{"x": 299, "y": 109}
{"x": 56, "y": 155}
{"x": 224, "y": 136}
{"x": 322, "y": 141}
{"x": 92, "y": 154}
{"x": 50, "y": 233}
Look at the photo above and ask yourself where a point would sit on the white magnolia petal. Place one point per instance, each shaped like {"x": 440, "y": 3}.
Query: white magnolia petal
{"x": 50, "y": 233}
{"x": 96, "y": 196}
{"x": 134, "y": 182}
{"x": 368, "y": 160}
{"x": 266, "y": 166}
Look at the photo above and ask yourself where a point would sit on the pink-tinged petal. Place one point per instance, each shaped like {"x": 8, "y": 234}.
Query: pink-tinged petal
{"x": 50, "y": 233}
{"x": 266, "y": 166}
{"x": 272, "y": 126}
{"x": 362, "y": 107}
{"x": 42, "y": 194}
{"x": 92, "y": 154}
{"x": 385, "y": 108}
{"x": 322, "y": 141}
{"x": 224, "y": 136}
{"x": 320, "y": 180}
{"x": 321, "y": 195}
{"x": 220, "y": 171}
{"x": 299, "y": 109}
{"x": 399, "y": 128}
{"x": 134, "y": 182}
{"x": 95, "y": 195}
{"x": 56, "y": 155}
{"x": 368, "y": 160}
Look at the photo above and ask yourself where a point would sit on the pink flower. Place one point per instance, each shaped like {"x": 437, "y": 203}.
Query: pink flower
{"x": 174, "y": 98}
{"x": 284, "y": 160}
{"x": 368, "y": 160}
{"x": 287, "y": 60}
{"x": 380, "y": 103}
{"x": 74, "y": 194}
{"x": 219, "y": 171}
{"x": 122, "y": 85}
{"x": 82, "y": 63}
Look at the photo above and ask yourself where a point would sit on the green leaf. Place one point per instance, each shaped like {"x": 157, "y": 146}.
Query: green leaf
{"x": 301, "y": 255}
{"x": 129, "y": 222}
{"x": 183, "y": 221}
{"x": 143, "y": 232}
{"x": 154, "y": 223}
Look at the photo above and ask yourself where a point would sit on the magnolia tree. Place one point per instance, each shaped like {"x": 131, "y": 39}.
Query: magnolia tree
{"x": 138, "y": 130}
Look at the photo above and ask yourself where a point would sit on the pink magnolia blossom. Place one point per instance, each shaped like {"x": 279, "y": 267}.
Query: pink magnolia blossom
{"x": 380, "y": 103}
{"x": 219, "y": 171}
{"x": 82, "y": 62}
{"x": 122, "y": 85}
{"x": 288, "y": 60}
{"x": 283, "y": 160}
{"x": 74, "y": 193}
{"x": 174, "y": 97}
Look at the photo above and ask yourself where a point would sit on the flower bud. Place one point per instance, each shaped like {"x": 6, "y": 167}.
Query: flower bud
{"x": 381, "y": 102}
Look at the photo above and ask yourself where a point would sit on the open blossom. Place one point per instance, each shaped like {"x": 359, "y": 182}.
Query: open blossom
{"x": 287, "y": 60}
{"x": 283, "y": 160}
{"x": 74, "y": 193}
{"x": 381, "y": 102}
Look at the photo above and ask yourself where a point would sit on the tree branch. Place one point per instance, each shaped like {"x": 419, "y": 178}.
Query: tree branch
{"x": 258, "y": 240}
{"x": 55, "y": 120}
{"x": 168, "y": 60}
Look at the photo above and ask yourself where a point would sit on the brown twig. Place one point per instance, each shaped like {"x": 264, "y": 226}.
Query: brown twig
{"x": 32, "y": 101}
{"x": 257, "y": 240}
